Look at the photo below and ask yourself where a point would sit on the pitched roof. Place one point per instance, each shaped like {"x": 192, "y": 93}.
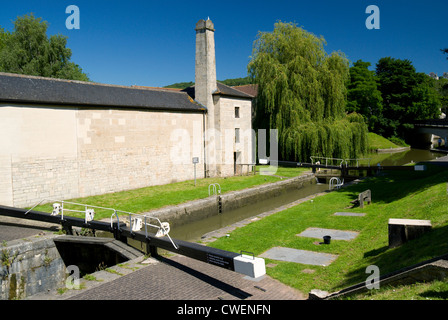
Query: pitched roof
{"x": 39, "y": 90}
{"x": 223, "y": 90}
{"x": 250, "y": 89}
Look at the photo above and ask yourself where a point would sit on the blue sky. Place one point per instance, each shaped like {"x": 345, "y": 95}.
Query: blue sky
{"x": 152, "y": 43}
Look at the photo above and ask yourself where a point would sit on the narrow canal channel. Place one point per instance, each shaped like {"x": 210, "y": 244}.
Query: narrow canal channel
{"x": 193, "y": 231}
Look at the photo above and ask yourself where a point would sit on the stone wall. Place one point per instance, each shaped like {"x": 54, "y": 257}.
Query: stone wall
{"x": 237, "y": 199}
{"x": 30, "y": 266}
{"x": 226, "y": 123}
{"x": 62, "y": 152}
{"x": 34, "y": 179}
{"x": 203, "y": 208}
{"x": 127, "y": 149}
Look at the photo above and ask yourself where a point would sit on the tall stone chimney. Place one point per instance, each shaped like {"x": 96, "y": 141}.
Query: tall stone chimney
{"x": 205, "y": 85}
{"x": 205, "y": 70}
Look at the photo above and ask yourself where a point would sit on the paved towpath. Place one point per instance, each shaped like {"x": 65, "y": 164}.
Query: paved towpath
{"x": 182, "y": 278}
{"x": 174, "y": 277}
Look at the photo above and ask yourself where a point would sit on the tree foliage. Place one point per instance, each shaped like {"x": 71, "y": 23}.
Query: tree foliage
{"x": 302, "y": 93}
{"x": 363, "y": 95}
{"x": 28, "y": 50}
{"x": 180, "y": 85}
{"x": 228, "y": 82}
{"x": 236, "y": 81}
{"x": 441, "y": 85}
{"x": 407, "y": 96}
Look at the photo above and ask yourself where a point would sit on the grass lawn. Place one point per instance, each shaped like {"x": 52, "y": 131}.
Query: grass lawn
{"x": 378, "y": 142}
{"x": 154, "y": 197}
{"x": 434, "y": 290}
{"x": 413, "y": 195}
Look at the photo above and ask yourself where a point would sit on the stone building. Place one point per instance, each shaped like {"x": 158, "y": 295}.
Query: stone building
{"x": 62, "y": 139}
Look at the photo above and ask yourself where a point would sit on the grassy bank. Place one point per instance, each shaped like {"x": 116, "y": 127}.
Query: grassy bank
{"x": 434, "y": 290}
{"x": 416, "y": 195}
{"x": 378, "y": 142}
{"x": 154, "y": 197}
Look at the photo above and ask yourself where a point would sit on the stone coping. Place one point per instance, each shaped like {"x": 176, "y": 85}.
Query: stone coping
{"x": 410, "y": 222}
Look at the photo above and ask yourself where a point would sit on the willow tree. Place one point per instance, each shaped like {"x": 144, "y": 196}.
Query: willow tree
{"x": 302, "y": 93}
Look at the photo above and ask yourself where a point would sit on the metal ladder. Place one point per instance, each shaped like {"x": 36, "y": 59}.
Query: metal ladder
{"x": 215, "y": 189}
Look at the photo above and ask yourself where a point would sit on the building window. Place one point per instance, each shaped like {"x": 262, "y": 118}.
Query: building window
{"x": 237, "y": 112}
{"x": 237, "y": 135}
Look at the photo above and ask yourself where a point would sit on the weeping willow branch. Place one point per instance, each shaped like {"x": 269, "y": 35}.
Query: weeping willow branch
{"x": 302, "y": 93}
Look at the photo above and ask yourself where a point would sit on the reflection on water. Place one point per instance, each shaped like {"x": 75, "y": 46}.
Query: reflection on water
{"x": 401, "y": 158}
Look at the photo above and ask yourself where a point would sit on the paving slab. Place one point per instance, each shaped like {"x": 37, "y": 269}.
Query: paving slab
{"x": 334, "y": 234}
{"x": 299, "y": 256}
{"x": 349, "y": 214}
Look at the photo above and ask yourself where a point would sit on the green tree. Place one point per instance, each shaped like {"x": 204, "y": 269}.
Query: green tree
{"x": 236, "y": 81}
{"x": 363, "y": 95}
{"x": 302, "y": 93}
{"x": 441, "y": 86}
{"x": 407, "y": 96}
{"x": 4, "y": 35}
{"x": 28, "y": 50}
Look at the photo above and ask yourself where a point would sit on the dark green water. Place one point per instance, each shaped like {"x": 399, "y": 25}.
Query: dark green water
{"x": 401, "y": 158}
{"x": 194, "y": 230}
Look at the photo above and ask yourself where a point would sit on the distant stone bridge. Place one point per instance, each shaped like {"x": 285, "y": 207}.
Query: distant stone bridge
{"x": 426, "y": 128}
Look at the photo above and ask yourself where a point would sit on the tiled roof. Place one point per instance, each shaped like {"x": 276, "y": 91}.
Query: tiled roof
{"x": 222, "y": 89}
{"x": 39, "y": 90}
{"x": 250, "y": 89}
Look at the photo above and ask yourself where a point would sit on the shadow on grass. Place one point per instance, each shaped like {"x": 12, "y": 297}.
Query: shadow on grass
{"x": 432, "y": 294}
{"x": 428, "y": 246}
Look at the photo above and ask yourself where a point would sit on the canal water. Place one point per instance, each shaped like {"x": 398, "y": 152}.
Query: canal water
{"x": 402, "y": 158}
{"x": 193, "y": 231}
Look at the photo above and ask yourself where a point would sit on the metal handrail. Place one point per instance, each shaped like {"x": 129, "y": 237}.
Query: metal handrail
{"x": 357, "y": 161}
{"x": 216, "y": 188}
{"x": 339, "y": 159}
{"x": 326, "y": 160}
{"x": 338, "y": 183}
{"x": 163, "y": 227}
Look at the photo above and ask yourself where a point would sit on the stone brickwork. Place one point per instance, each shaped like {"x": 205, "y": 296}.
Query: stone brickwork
{"x": 100, "y": 150}
{"x": 30, "y": 266}
{"x": 226, "y": 123}
{"x": 34, "y": 179}
{"x": 222, "y": 150}
{"x": 126, "y": 149}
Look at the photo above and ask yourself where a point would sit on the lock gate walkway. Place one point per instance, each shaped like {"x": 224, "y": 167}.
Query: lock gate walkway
{"x": 165, "y": 278}
{"x": 183, "y": 278}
